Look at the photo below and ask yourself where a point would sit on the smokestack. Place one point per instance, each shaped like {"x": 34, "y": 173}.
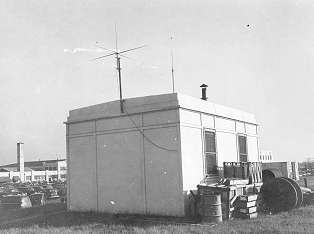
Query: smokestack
{"x": 204, "y": 97}
{"x": 20, "y": 159}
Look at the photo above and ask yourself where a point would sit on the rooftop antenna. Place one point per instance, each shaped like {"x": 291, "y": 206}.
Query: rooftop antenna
{"x": 118, "y": 55}
{"x": 172, "y": 70}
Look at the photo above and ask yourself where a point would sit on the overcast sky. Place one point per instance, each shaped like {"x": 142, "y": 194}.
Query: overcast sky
{"x": 256, "y": 56}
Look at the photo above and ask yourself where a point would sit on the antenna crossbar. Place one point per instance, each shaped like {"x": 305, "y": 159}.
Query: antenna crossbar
{"x": 118, "y": 56}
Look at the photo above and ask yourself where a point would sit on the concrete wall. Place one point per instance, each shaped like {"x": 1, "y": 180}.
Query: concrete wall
{"x": 134, "y": 173}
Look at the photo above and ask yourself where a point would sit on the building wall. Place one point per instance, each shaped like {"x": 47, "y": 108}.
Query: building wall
{"x": 118, "y": 170}
{"x": 192, "y": 125}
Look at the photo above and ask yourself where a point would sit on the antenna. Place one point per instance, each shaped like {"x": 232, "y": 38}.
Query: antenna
{"x": 118, "y": 55}
{"x": 172, "y": 70}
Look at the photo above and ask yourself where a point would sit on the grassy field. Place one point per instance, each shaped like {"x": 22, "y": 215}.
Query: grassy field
{"x": 54, "y": 219}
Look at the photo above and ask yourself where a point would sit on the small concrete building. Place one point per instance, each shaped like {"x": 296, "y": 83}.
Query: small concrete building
{"x": 146, "y": 159}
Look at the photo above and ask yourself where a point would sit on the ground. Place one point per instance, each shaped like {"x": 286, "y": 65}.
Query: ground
{"x": 54, "y": 219}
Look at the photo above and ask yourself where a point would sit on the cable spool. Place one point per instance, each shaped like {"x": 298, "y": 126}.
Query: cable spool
{"x": 270, "y": 173}
{"x": 280, "y": 194}
{"x": 298, "y": 189}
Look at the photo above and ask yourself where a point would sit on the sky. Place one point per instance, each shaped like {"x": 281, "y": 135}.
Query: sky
{"x": 256, "y": 56}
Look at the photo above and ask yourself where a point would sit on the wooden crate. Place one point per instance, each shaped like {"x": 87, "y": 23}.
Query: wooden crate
{"x": 246, "y": 216}
{"x": 248, "y": 210}
{"x": 248, "y": 198}
{"x": 240, "y": 204}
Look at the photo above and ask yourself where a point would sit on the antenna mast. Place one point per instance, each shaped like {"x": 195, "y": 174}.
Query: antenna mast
{"x": 172, "y": 70}
{"x": 118, "y": 56}
{"x": 119, "y": 70}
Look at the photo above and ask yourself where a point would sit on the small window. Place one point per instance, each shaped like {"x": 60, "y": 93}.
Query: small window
{"x": 210, "y": 152}
{"x": 242, "y": 148}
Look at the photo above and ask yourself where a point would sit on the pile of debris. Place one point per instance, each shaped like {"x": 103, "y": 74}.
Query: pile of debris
{"x": 243, "y": 193}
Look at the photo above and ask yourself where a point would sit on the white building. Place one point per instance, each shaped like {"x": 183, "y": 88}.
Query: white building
{"x": 44, "y": 170}
{"x": 41, "y": 170}
{"x": 145, "y": 160}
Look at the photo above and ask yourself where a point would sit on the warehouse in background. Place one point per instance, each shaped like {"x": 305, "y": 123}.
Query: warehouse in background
{"x": 145, "y": 159}
{"x": 41, "y": 170}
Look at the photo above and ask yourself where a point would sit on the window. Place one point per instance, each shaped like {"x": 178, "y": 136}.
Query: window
{"x": 242, "y": 148}
{"x": 210, "y": 152}
{"x": 28, "y": 177}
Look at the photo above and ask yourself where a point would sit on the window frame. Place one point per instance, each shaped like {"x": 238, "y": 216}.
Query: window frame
{"x": 206, "y": 172}
{"x": 246, "y": 148}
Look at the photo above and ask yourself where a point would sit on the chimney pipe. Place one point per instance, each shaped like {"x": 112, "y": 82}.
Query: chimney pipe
{"x": 20, "y": 160}
{"x": 204, "y": 97}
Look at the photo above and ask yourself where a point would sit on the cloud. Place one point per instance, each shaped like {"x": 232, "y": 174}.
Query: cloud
{"x": 77, "y": 50}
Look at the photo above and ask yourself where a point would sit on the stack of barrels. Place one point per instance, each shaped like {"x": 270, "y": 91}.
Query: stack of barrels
{"x": 209, "y": 205}
{"x": 246, "y": 206}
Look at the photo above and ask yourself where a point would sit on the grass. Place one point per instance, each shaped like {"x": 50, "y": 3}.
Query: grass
{"x": 296, "y": 221}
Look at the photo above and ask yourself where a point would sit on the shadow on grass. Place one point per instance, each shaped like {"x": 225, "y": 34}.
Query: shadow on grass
{"x": 56, "y": 218}
{"x": 55, "y": 215}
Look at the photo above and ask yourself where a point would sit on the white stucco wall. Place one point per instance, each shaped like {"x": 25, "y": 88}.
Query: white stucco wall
{"x": 192, "y": 125}
{"x": 133, "y": 174}
{"x": 82, "y": 158}
{"x": 120, "y": 163}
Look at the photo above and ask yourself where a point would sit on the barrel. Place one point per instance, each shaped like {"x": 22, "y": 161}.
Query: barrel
{"x": 211, "y": 208}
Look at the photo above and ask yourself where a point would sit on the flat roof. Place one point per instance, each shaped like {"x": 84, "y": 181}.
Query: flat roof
{"x": 155, "y": 103}
{"x": 37, "y": 163}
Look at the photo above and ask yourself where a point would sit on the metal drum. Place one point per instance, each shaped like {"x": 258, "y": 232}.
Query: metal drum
{"x": 211, "y": 208}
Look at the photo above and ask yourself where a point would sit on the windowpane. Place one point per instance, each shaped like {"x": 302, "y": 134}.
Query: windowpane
{"x": 243, "y": 158}
{"x": 210, "y": 152}
{"x": 242, "y": 144}
{"x": 242, "y": 148}
{"x": 210, "y": 142}
{"x": 210, "y": 163}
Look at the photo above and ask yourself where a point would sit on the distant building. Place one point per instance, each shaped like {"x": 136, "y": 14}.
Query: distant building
{"x": 41, "y": 170}
{"x": 265, "y": 156}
